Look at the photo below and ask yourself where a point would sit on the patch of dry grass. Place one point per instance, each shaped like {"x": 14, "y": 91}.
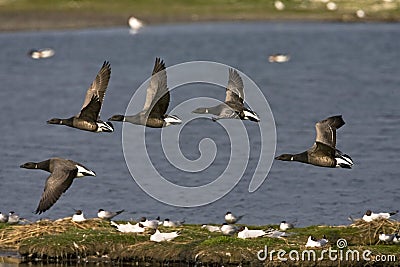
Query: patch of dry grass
{"x": 98, "y": 241}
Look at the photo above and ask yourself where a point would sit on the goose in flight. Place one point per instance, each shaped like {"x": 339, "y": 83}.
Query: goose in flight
{"x": 233, "y": 107}
{"x": 156, "y": 105}
{"x": 88, "y": 119}
{"x": 323, "y": 153}
{"x": 63, "y": 172}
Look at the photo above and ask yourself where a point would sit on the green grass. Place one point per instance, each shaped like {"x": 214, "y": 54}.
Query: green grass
{"x": 99, "y": 241}
{"x": 3, "y": 225}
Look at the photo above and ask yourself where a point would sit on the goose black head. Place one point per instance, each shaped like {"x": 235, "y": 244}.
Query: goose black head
{"x": 29, "y": 165}
{"x": 285, "y": 157}
{"x": 54, "y": 121}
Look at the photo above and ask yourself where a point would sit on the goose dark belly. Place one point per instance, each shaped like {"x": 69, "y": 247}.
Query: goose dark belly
{"x": 84, "y": 125}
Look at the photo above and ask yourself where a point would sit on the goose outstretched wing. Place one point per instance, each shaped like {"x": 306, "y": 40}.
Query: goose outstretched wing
{"x": 97, "y": 90}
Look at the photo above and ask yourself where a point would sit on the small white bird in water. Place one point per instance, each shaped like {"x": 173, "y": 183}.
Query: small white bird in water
{"x": 13, "y": 218}
{"x": 332, "y": 6}
{"x": 211, "y": 228}
{"x": 278, "y": 58}
{"x": 285, "y": 226}
{"x": 386, "y": 237}
{"x": 129, "y": 228}
{"x": 369, "y": 216}
{"x": 78, "y": 216}
{"x": 135, "y": 24}
{"x": 279, "y": 5}
{"x": 231, "y": 218}
{"x": 168, "y": 223}
{"x": 312, "y": 242}
{"x": 108, "y": 215}
{"x": 3, "y": 218}
{"x": 160, "y": 237}
{"x": 228, "y": 229}
{"x": 41, "y": 53}
{"x": 244, "y": 232}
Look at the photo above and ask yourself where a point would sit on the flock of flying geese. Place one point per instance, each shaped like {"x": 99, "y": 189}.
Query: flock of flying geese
{"x": 63, "y": 171}
{"x": 323, "y": 153}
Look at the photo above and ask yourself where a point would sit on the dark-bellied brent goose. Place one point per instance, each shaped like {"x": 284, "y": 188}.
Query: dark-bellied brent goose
{"x": 88, "y": 119}
{"x": 323, "y": 153}
{"x": 233, "y": 107}
{"x": 156, "y": 104}
{"x": 63, "y": 172}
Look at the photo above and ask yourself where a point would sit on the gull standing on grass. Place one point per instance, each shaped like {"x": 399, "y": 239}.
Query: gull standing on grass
{"x": 150, "y": 223}
{"x": 168, "y": 223}
{"x": 244, "y": 233}
{"x": 160, "y": 237}
{"x": 211, "y": 228}
{"x": 228, "y": 229}
{"x": 78, "y": 216}
{"x": 386, "y": 237}
{"x": 230, "y": 218}
{"x": 285, "y": 226}
{"x": 312, "y": 242}
{"x": 108, "y": 215}
{"x": 13, "y": 218}
{"x": 369, "y": 216}
{"x": 129, "y": 228}
{"x": 396, "y": 238}
{"x": 3, "y": 218}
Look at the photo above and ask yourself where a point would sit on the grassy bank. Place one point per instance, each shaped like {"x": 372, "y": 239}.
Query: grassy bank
{"x": 44, "y": 14}
{"x": 95, "y": 240}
